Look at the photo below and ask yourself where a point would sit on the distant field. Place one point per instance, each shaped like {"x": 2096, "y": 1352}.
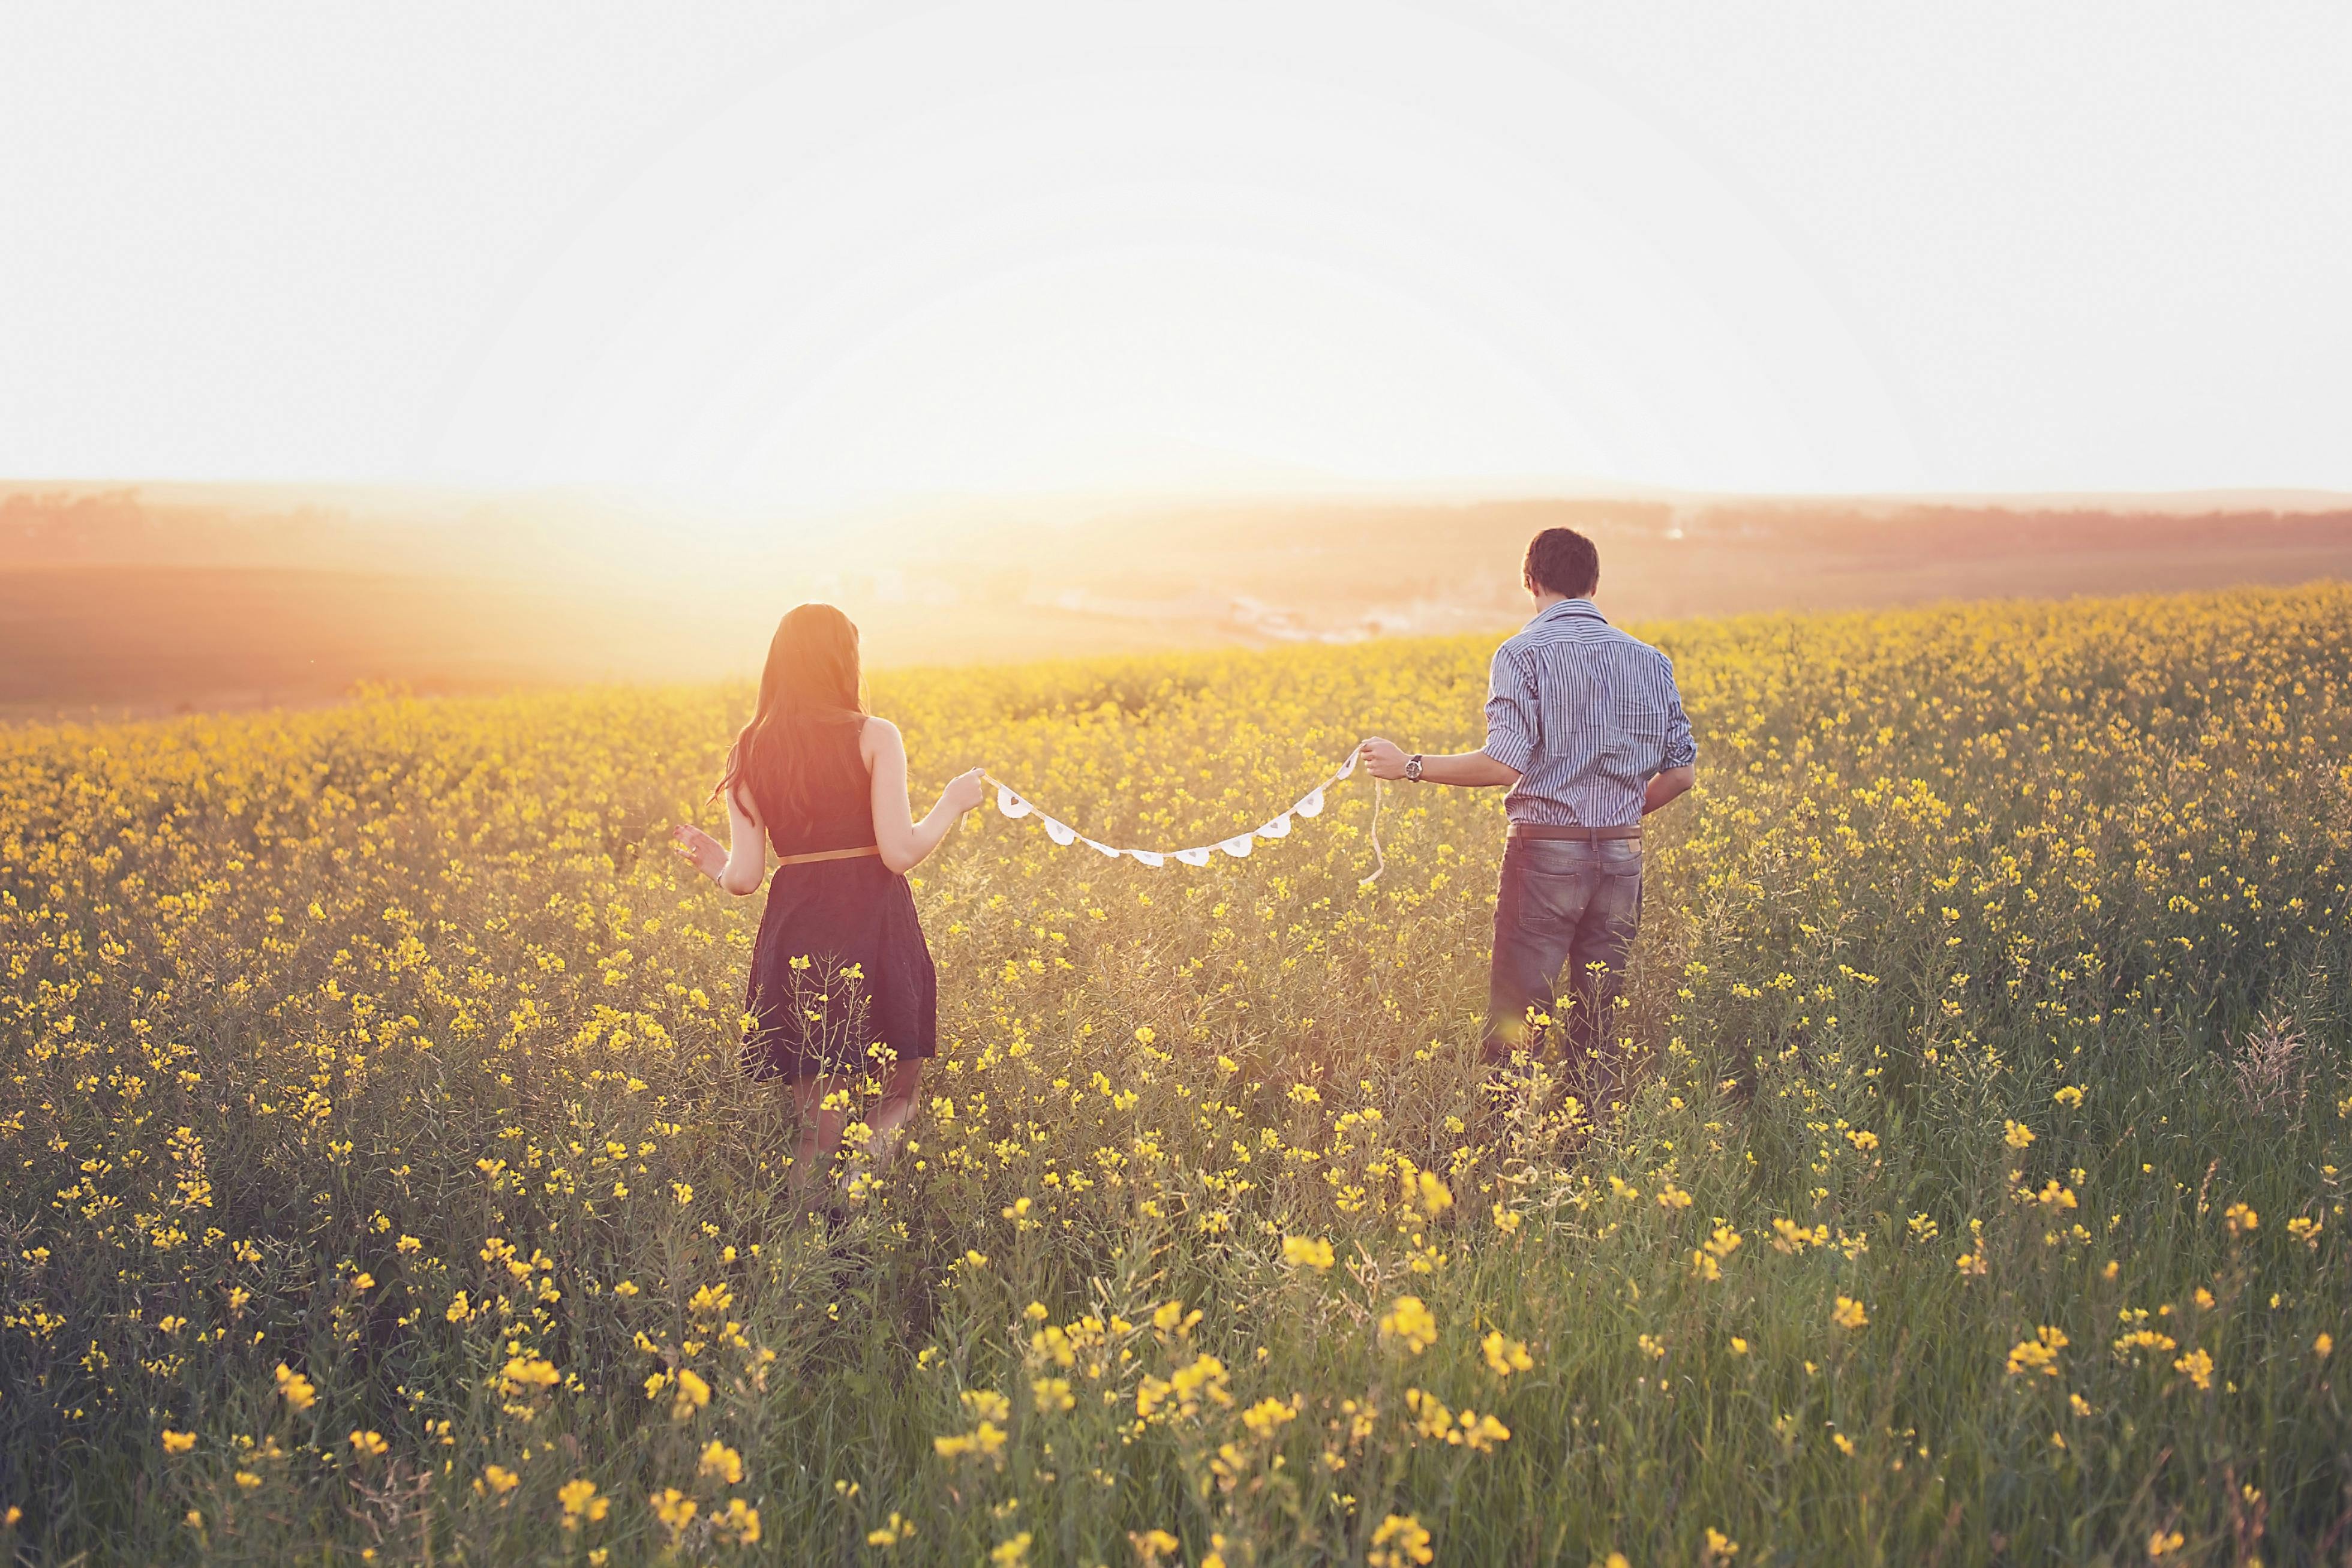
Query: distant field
{"x": 110, "y": 641}
{"x": 110, "y": 606}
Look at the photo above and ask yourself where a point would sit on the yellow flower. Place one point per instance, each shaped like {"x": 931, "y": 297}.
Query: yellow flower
{"x": 1849, "y": 1313}
{"x": 1300, "y": 1252}
{"x": 739, "y": 1526}
{"x": 1267, "y": 1415}
{"x": 1436, "y": 1198}
{"x": 2240, "y": 1218}
{"x": 2016, "y": 1134}
{"x": 1481, "y": 1433}
{"x": 525, "y": 1374}
{"x": 370, "y": 1444}
{"x": 693, "y": 1394}
{"x": 2039, "y": 1354}
{"x": 899, "y": 1529}
{"x": 2324, "y": 1346}
{"x": 1400, "y": 1542}
{"x": 581, "y": 1502}
{"x": 299, "y": 1390}
{"x": 1506, "y": 1356}
{"x": 1410, "y": 1323}
{"x": 721, "y": 1463}
{"x": 497, "y": 1481}
{"x": 986, "y": 1438}
{"x": 1152, "y": 1545}
{"x": 1011, "y": 1552}
{"x": 674, "y": 1510}
{"x": 2198, "y": 1365}
{"x": 178, "y": 1442}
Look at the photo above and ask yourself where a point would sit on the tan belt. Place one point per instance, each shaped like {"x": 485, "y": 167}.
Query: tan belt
{"x": 829, "y": 855}
{"x": 1578, "y": 834}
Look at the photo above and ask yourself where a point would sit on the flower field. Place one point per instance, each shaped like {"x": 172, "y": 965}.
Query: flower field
{"x": 381, "y": 1185}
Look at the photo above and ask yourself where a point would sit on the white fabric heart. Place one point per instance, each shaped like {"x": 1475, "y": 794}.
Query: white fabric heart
{"x": 1279, "y": 828}
{"x": 1194, "y": 857}
{"x": 1312, "y": 805}
{"x": 1060, "y": 833}
{"x": 1010, "y": 804}
{"x": 1238, "y": 846}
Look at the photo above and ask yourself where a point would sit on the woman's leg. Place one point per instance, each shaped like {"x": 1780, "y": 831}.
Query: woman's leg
{"x": 823, "y": 1103}
{"x": 896, "y": 1108}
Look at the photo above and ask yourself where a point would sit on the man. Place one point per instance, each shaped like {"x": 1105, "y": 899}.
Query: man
{"x": 1585, "y": 728}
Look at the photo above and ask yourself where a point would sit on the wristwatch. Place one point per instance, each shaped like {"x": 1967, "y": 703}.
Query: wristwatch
{"x": 1412, "y": 768}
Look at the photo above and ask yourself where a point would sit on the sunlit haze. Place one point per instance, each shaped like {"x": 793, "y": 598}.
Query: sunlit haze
{"x": 818, "y": 255}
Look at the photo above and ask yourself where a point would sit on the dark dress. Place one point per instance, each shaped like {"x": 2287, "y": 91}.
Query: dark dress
{"x": 815, "y": 1016}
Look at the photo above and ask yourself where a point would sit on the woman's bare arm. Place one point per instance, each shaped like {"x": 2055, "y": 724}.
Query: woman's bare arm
{"x": 906, "y": 843}
{"x": 740, "y": 865}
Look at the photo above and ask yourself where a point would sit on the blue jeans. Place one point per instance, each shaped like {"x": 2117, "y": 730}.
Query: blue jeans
{"x": 1563, "y": 901}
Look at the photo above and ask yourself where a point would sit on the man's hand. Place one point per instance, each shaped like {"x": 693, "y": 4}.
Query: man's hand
{"x": 1666, "y": 786}
{"x": 1383, "y": 759}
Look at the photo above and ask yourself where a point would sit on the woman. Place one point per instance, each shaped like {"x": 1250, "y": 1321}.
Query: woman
{"x": 840, "y": 966}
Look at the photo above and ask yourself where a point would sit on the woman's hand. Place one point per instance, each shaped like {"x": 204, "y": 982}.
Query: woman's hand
{"x": 964, "y": 791}
{"x": 699, "y": 849}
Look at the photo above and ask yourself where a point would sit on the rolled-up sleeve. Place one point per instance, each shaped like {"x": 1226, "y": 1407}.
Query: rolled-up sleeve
{"x": 1681, "y": 750}
{"x": 1514, "y": 721}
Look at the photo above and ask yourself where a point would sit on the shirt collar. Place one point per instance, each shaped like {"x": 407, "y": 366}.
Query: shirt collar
{"x": 1568, "y": 609}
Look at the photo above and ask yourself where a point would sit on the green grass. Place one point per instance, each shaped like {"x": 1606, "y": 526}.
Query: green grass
{"x": 299, "y": 999}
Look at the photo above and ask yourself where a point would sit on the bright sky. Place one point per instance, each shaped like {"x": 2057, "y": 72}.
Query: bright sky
{"x": 824, "y": 252}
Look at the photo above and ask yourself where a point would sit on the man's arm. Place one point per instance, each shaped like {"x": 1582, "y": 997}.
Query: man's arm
{"x": 1470, "y": 770}
{"x": 1678, "y": 767}
{"x": 1513, "y": 723}
{"x": 1666, "y": 785}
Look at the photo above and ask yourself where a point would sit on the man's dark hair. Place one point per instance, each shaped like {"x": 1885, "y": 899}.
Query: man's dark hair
{"x": 1562, "y": 561}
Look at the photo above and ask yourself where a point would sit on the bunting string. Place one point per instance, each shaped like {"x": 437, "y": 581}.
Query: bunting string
{"x": 1016, "y": 805}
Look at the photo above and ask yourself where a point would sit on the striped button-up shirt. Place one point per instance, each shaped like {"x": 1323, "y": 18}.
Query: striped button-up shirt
{"x": 1588, "y": 715}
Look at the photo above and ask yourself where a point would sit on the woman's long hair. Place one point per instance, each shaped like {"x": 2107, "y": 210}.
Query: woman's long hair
{"x": 809, "y": 694}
